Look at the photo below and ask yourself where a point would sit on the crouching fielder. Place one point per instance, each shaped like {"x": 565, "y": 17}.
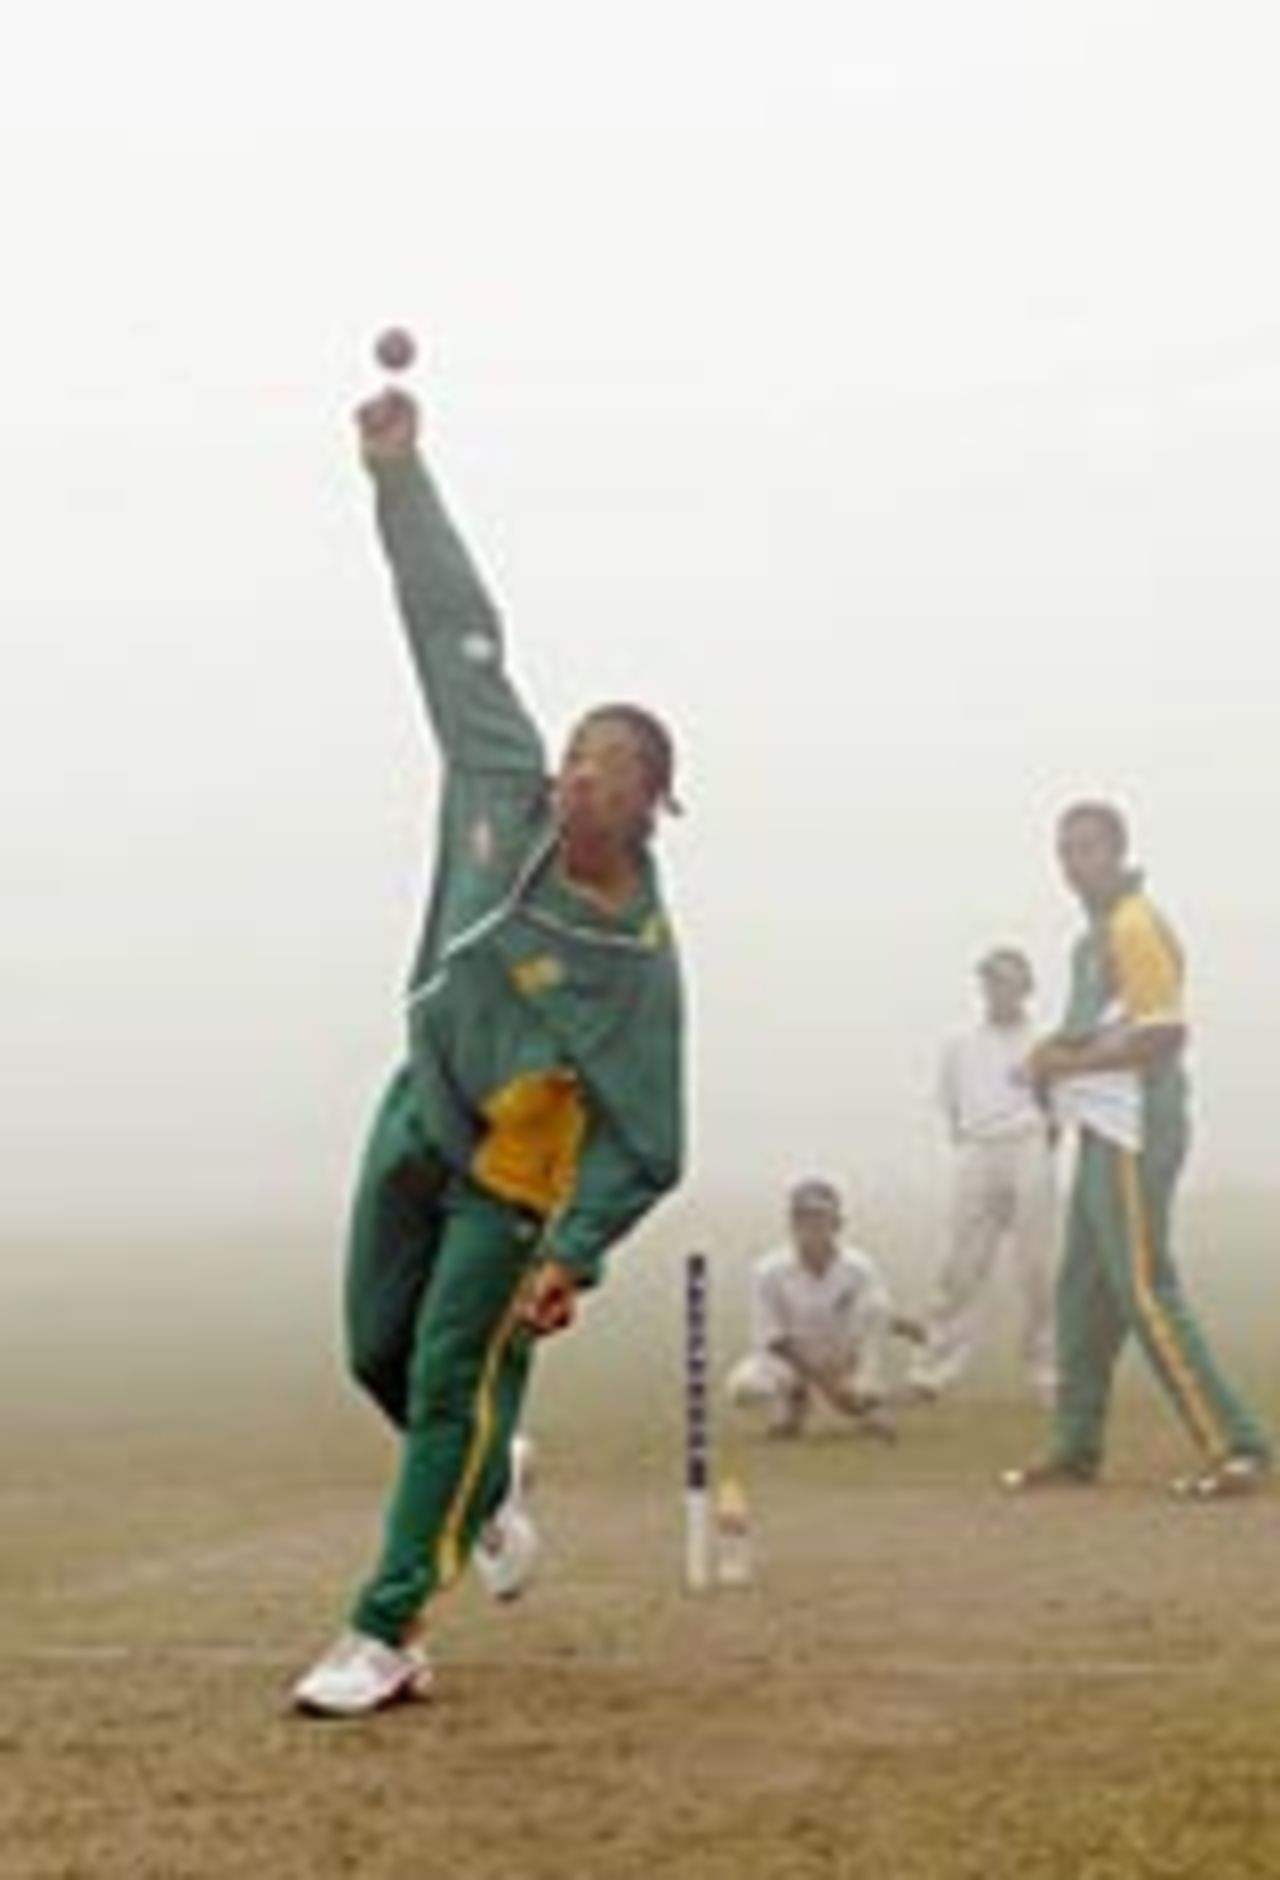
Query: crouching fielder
{"x": 538, "y": 1115}
{"x": 821, "y": 1317}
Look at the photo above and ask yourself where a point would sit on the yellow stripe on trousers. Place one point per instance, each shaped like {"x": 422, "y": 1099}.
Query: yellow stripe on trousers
{"x": 1197, "y": 1407}
{"x": 449, "y": 1561}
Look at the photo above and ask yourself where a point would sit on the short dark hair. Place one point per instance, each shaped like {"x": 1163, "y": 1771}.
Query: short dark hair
{"x": 653, "y": 741}
{"x": 1105, "y": 815}
{"x": 1007, "y": 959}
{"x": 814, "y": 1195}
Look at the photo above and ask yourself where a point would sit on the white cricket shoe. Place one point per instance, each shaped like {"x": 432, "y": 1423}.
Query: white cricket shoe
{"x": 359, "y": 1674}
{"x": 1227, "y": 1480}
{"x": 506, "y": 1553}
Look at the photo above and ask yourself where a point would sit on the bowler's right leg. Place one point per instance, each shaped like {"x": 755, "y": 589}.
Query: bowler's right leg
{"x": 395, "y": 1227}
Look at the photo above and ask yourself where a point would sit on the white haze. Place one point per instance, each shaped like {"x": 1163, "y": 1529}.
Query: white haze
{"x": 891, "y": 395}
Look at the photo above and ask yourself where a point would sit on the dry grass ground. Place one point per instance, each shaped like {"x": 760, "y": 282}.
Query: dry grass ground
{"x": 926, "y": 1681}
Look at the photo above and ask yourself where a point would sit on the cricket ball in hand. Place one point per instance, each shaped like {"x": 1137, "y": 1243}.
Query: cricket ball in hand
{"x": 395, "y": 349}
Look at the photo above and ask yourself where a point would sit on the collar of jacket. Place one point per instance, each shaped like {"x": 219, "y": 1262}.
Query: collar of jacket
{"x": 586, "y": 931}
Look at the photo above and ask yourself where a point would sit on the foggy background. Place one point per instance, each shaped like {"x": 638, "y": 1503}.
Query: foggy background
{"x": 889, "y": 395}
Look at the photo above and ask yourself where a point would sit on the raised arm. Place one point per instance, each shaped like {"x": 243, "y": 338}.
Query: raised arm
{"x": 453, "y": 628}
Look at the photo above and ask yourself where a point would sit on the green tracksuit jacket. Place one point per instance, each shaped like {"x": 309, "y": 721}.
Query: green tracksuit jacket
{"x": 515, "y": 976}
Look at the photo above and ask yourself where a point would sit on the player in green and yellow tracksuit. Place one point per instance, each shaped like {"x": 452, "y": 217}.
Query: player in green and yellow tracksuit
{"x": 1115, "y": 1070}
{"x": 539, "y": 1113}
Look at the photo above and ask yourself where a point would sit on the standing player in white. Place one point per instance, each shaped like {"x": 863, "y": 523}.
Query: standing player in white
{"x": 1003, "y": 1187}
{"x": 821, "y": 1316}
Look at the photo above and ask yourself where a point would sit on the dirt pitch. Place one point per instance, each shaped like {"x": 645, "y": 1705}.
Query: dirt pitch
{"x": 926, "y": 1681}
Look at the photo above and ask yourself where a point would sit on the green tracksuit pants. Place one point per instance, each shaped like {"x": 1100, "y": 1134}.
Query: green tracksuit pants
{"x": 1117, "y": 1277}
{"x": 435, "y": 1280}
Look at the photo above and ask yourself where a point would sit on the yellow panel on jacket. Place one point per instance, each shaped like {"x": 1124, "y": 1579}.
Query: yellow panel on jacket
{"x": 530, "y": 1153}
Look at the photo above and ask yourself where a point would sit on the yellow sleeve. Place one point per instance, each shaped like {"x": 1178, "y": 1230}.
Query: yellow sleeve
{"x": 1146, "y": 963}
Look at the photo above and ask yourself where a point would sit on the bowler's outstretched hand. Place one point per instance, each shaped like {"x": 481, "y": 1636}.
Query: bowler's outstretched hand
{"x": 388, "y": 427}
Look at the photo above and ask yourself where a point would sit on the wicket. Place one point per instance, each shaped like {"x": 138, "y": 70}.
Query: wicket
{"x": 697, "y": 1429}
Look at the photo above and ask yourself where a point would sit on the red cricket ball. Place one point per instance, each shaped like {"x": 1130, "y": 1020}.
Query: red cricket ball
{"x": 395, "y": 349}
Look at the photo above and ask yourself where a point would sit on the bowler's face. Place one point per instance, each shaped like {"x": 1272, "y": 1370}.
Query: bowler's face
{"x": 602, "y": 788}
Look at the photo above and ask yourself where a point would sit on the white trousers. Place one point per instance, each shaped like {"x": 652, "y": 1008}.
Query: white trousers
{"x": 1003, "y": 1193}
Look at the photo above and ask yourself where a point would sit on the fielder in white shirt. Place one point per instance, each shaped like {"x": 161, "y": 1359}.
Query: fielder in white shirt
{"x": 821, "y": 1317}
{"x": 1003, "y": 1189}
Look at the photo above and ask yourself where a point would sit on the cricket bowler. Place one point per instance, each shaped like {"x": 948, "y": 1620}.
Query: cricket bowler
{"x": 539, "y": 1113}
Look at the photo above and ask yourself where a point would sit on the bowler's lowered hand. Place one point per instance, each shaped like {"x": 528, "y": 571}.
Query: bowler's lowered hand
{"x": 553, "y": 1299}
